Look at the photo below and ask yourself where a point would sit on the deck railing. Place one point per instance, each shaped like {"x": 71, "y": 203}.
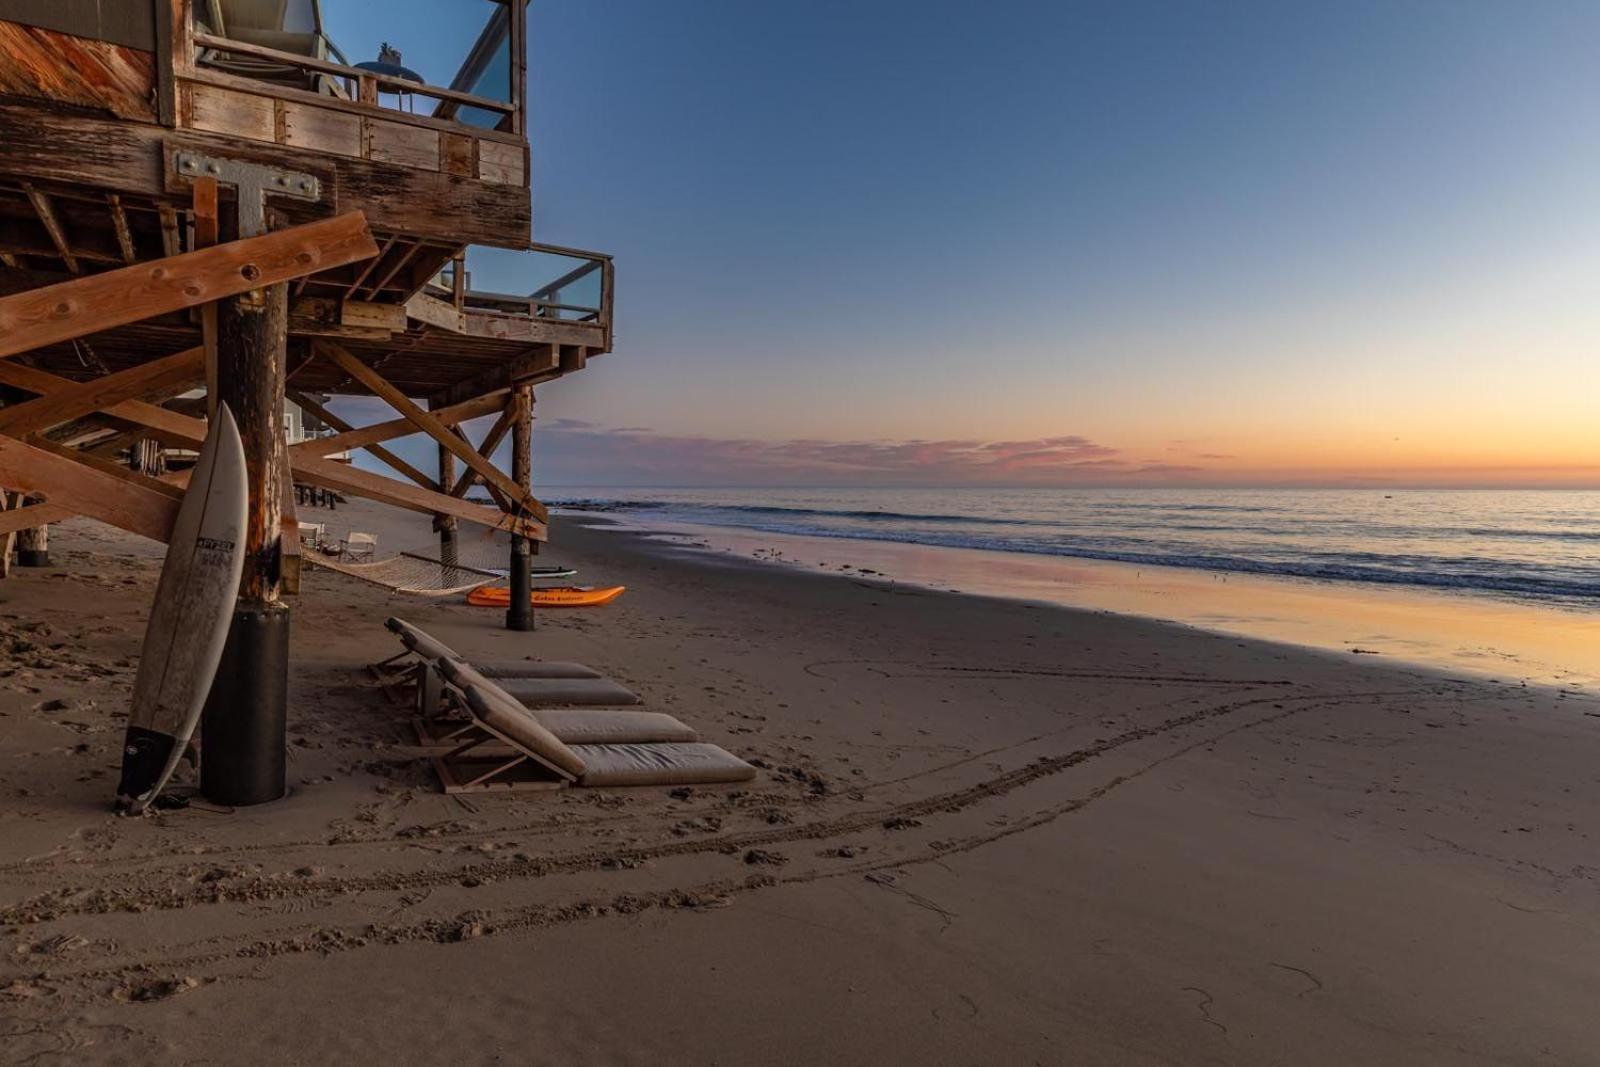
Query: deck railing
{"x": 349, "y": 83}
{"x": 572, "y": 285}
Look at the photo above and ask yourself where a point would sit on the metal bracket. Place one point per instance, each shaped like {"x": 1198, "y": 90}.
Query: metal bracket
{"x": 253, "y": 183}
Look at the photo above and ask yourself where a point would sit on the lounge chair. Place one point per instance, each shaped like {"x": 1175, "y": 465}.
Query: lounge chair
{"x": 572, "y": 726}
{"x": 358, "y": 547}
{"x": 430, "y": 648}
{"x": 550, "y": 684}
{"x": 509, "y": 749}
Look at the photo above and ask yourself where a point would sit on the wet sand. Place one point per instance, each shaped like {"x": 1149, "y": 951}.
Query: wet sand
{"x": 985, "y": 831}
{"x": 1556, "y": 644}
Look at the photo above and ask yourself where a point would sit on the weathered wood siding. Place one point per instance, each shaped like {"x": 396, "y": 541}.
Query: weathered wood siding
{"x": 126, "y": 22}
{"x": 126, "y": 157}
{"x": 49, "y": 65}
{"x": 221, "y": 104}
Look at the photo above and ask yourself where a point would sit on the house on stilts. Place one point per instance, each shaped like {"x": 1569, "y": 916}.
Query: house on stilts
{"x": 212, "y": 194}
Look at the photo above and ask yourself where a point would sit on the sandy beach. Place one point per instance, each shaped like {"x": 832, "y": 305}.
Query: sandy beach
{"x": 984, "y": 831}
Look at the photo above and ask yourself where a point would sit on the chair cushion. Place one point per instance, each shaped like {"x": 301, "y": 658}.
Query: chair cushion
{"x": 535, "y": 668}
{"x": 668, "y": 764}
{"x": 427, "y": 646}
{"x": 594, "y": 726}
{"x": 553, "y": 692}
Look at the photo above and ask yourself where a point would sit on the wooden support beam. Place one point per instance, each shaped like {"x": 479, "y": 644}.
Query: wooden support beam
{"x": 114, "y": 444}
{"x": 539, "y": 363}
{"x": 52, "y": 225}
{"x": 159, "y": 378}
{"x": 388, "y": 431}
{"x": 129, "y": 158}
{"x": 60, "y": 312}
{"x": 490, "y": 442}
{"x": 372, "y": 264}
{"x": 171, "y": 241}
{"x": 14, "y": 522}
{"x": 252, "y": 331}
{"x": 307, "y": 466}
{"x": 8, "y": 537}
{"x": 430, "y": 425}
{"x": 434, "y": 312}
{"x": 290, "y": 531}
{"x": 501, "y": 501}
{"x": 519, "y": 613}
{"x": 394, "y": 462}
{"x": 110, "y": 468}
{"x": 169, "y": 426}
{"x": 343, "y": 478}
{"x": 207, "y": 222}
{"x": 33, "y": 542}
{"x": 66, "y": 482}
{"x": 362, "y": 315}
{"x": 81, "y": 432}
{"x": 388, "y": 275}
{"x": 119, "y": 223}
{"x": 207, "y": 231}
{"x": 447, "y": 525}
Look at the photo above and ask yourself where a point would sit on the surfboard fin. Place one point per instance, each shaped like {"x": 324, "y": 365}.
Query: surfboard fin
{"x": 144, "y": 759}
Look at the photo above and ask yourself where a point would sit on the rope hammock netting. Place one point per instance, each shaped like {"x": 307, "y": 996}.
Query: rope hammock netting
{"x": 423, "y": 571}
{"x": 412, "y": 572}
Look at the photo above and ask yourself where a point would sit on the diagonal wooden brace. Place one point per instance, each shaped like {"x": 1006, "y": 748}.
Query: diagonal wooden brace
{"x": 191, "y": 432}
{"x": 362, "y": 436}
{"x": 430, "y": 424}
{"x": 377, "y": 450}
{"x": 87, "y": 490}
{"x": 60, "y": 312}
{"x": 154, "y": 380}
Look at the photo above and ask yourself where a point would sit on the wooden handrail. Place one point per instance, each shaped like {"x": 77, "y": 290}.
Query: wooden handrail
{"x": 562, "y": 250}
{"x": 244, "y": 48}
{"x": 572, "y": 276}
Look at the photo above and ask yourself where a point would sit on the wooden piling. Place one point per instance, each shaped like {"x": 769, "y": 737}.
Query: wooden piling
{"x": 447, "y": 525}
{"x": 519, "y": 614}
{"x": 33, "y": 544}
{"x": 244, "y": 730}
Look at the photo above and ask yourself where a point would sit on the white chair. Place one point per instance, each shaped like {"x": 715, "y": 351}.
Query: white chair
{"x": 358, "y": 546}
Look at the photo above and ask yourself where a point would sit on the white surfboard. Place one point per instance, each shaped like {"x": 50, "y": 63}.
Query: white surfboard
{"x": 189, "y": 622}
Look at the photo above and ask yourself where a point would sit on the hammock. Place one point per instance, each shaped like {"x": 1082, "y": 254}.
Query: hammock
{"x": 411, "y": 572}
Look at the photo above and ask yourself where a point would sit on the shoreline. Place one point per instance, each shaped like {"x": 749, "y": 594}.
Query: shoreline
{"x": 984, "y": 830}
{"x": 1453, "y": 632}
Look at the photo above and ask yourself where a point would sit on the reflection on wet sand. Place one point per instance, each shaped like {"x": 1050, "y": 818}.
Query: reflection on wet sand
{"x": 1447, "y": 631}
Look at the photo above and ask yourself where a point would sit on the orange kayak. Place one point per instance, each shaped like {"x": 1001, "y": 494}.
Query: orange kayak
{"x": 550, "y": 596}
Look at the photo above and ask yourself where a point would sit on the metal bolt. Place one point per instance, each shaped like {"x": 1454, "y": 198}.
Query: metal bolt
{"x": 214, "y": 169}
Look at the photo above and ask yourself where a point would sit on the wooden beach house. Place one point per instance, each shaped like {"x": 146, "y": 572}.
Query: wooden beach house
{"x": 213, "y": 193}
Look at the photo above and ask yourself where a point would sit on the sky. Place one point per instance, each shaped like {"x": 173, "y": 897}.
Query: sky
{"x": 1066, "y": 243}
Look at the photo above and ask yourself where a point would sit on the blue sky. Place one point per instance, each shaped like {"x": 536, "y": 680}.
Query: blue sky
{"x": 1325, "y": 242}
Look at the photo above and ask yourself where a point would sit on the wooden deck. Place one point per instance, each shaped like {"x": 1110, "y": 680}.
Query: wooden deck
{"x": 117, "y": 248}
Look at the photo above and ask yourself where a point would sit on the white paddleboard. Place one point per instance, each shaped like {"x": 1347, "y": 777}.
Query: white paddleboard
{"x": 189, "y": 622}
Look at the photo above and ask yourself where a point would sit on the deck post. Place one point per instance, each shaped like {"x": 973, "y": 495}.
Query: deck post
{"x": 447, "y": 525}
{"x": 244, "y": 729}
{"x": 519, "y": 614}
{"x": 33, "y": 544}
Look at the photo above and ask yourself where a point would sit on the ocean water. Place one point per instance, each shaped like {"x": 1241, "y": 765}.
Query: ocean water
{"x": 1539, "y": 546}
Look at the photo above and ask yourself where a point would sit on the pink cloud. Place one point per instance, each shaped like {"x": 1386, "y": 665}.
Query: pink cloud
{"x": 574, "y": 452}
